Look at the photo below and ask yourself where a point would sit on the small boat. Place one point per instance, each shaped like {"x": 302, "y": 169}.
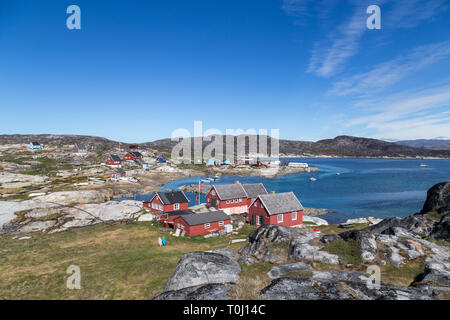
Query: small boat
{"x": 338, "y": 173}
{"x": 423, "y": 165}
{"x": 312, "y": 179}
{"x": 205, "y": 181}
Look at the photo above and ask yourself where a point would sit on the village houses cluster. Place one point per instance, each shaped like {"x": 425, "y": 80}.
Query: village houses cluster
{"x": 223, "y": 201}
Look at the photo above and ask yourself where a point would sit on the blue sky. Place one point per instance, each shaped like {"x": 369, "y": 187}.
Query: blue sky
{"x": 138, "y": 70}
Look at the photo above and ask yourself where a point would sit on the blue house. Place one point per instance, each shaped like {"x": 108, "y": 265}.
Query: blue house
{"x": 35, "y": 145}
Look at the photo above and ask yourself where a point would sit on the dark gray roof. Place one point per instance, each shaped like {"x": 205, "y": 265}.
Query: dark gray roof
{"x": 172, "y": 197}
{"x": 179, "y": 213}
{"x": 207, "y": 217}
{"x": 254, "y": 190}
{"x": 34, "y": 143}
{"x": 276, "y": 203}
{"x": 133, "y": 146}
{"x": 230, "y": 191}
{"x": 115, "y": 157}
{"x": 136, "y": 154}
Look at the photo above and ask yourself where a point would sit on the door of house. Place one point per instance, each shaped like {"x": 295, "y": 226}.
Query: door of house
{"x": 213, "y": 202}
{"x": 261, "y": 220}
{"x": 254, "y": 219}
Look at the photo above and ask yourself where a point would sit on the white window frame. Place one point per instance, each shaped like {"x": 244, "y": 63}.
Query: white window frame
{"x": 240, "y": 200}
{"x": 228, "y": 201}
{"x": 221, "y": 223}
{"x": 207, "y": 225}
{"x": 294, "y": 214}
{"x": 278, "y": 218}
{"x": 176, "y": 206}
{"x": 213, "y": 193}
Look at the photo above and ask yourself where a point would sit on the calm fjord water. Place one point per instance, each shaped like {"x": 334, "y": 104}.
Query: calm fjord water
{"x": 365, "y": 187}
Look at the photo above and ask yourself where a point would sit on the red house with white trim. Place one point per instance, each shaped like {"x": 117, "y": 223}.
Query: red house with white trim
{"x": 278, "y": 208}
{"x": 234, "y": 198}
{"x": 166, "y": 219}
{"x": 130, "y": 156}
{"x": 114, "y": 161}
{"x": 202, "y": 223}
{"x": 167, "y": 202}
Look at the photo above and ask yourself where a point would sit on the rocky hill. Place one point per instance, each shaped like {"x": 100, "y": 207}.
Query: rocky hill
{"x": 341, "y": 146}
{"x": 433, "y": 144}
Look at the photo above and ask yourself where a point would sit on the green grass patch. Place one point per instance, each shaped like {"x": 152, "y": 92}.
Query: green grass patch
{"x": 349, "y": 251}
{"x": 117, "y": 261}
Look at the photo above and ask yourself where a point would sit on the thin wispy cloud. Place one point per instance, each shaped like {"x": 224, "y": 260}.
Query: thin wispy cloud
{"x": 409, "y": 115}
{"x": 331, "y": 55}
{"x": 390, "y": 72}
{"x": 409, "y": 13}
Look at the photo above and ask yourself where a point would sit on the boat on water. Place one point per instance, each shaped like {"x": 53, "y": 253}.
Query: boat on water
{"x": 312, "y": 179}
{"x": 338, "y": 173}
{"x": 423, "y": 165}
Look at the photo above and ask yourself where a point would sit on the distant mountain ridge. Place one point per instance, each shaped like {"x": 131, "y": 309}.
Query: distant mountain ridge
{"x": 432, "y": 144}
{"x": 341, "y": 146}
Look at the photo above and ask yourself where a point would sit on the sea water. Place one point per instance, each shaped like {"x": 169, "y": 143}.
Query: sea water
{"x": 365, "y": 187}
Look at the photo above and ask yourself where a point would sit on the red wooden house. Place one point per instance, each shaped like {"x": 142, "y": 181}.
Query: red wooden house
{"x": 202, "y": 223}
{"x": 234, "y": 198}
{"x": 114, "y": 161}
{"x": 133, "y": 148}
{"x": 253, "y": 191}
{"x": 130, "y": 156}
{"x": 278, "y": 208}
{"x": 167, "y": 218}
{"x": 167, "y": 202}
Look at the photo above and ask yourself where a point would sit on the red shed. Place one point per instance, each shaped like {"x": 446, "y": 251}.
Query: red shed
{"x": 167, "y": 202}
{"x": 202, "y": 223}
{"x": 130, "y": 156}
{"x": 113, "y": 160}
{"x": 278, "y": 208}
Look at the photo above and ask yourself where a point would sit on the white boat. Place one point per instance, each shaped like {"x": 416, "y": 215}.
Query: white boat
{"x": 338, "y": 173}
{"x": 423, "y": 165}
{"x": 312, "y": 179}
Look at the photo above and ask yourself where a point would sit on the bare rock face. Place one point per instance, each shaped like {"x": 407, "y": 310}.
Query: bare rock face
{"x": 335, "y": 285}
{"x": 275, "y": 244}
{"x": 417, "y": 224}
{"x": 438, "y": 198}
{"x": 67, "y": 197}
{"x": 437, "y": 273}
{"x": 201, "y": 268}
{"x": 442, "y": 229}
{"x": 279, "y": 271}
{"x": 212, "y": 291}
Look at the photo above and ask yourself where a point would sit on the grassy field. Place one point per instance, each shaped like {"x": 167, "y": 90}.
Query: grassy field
{"x": 116, "y": 261}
